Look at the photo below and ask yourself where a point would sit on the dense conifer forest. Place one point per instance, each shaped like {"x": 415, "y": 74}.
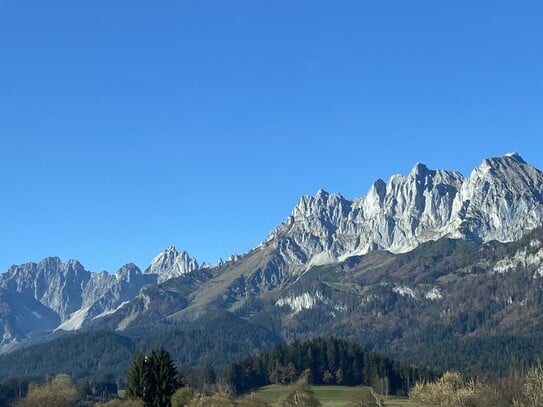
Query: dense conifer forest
{"x": 326, "y": 361}
{"x": 219, "y": 340}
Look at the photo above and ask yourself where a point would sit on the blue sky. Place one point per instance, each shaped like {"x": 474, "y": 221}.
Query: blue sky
{"x": 129, "y": 126}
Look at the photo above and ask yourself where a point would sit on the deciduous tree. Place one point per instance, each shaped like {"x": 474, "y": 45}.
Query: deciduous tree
{"x": 366, "y": 397}
{"x": 61, "y": 391}
{"x": 532, "y": 395}
{"x": 300, "y": 394}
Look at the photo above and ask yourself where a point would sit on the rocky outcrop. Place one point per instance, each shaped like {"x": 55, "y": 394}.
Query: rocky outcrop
{"x": 52, "y": 295}
{"x": 171, "y": 263}
{"x": 500, "y": 200}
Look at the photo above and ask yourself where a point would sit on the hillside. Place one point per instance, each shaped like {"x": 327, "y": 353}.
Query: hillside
{"x": 427, "y": 306}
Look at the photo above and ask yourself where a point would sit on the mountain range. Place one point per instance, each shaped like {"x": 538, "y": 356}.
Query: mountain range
{"x": 427, "y": 255}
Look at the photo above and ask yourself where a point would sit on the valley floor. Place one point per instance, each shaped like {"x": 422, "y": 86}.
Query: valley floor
{"x": 329, "y": 396}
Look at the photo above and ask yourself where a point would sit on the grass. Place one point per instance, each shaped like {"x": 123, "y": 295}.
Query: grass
{"x": 396, "y": 402}
{"x": 329, "y": 396}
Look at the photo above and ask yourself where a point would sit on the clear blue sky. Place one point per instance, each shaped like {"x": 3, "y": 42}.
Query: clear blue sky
{"x": 129, "y": 126}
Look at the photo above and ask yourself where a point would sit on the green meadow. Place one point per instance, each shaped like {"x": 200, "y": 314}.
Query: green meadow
{"x": 335, "y": 396}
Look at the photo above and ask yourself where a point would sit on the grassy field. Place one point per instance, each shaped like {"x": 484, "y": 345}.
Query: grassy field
{"x": 333, "y": 396}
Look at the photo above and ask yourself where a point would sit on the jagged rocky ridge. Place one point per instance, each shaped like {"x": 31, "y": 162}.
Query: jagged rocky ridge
{"x": 56, "y": 296}
{"x": 500, "y": 200}
{"x": 171, "y": 263}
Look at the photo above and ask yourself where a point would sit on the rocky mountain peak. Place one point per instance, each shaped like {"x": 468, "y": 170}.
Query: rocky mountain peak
{"x": 419, "y": 170}
{"x": 322, "y": 193}
{"x": 171, "y": 263}
{"x": 128, "y": 272}
{"x": 498, "y": 166}
{"x": 501, "y": 199}
{"x": 50, "y": 282}
{"x": 52, "y": 295}
{"x": 314, "y": 205}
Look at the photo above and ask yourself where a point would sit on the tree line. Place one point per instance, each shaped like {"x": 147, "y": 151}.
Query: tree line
{"x": 153, "y": 379}
{"x": 327, "y": 361}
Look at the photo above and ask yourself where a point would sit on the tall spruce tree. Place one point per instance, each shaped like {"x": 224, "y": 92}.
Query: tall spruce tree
{"x": 152, "y": 379}
{"x": 138, "y": 377}
{"x": 162, "y": 379}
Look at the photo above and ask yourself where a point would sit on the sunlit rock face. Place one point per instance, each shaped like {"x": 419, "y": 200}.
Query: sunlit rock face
{"x": 52, "y": 295}
{"x": 500, "y": 200}
{"x": 171, "y": 263}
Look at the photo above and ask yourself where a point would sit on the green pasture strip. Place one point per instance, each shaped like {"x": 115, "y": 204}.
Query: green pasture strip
{"x": 329, "y": 396}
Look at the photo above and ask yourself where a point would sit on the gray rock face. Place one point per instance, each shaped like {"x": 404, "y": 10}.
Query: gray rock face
{"x": 501, "y": 199}
{"x": 53, "y": 295}
{"x": 171, "y": 263}
{"x": 50, "y": 282}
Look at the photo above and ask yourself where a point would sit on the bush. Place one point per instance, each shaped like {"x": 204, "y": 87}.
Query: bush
{"x": 211, "y": 401}
{"x": 532, "y": 394}
{"x": 253, "y": 401}
{"x": 300, "y": 394}
{"x": 59, "y": 392}
{"x": 182, "y": 397}
{"x": 448, "y": 391}
{"x": 121, "y": 403}
{"x": 366, "y": 397}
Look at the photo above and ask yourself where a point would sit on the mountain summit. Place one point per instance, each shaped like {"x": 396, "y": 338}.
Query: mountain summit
{"x": 500, "y": 200}
{"x": 171, "y": 263}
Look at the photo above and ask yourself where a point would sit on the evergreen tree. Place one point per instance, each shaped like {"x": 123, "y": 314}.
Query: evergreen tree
{"x": 138, "y": 377}
{"x": 152, "y": 379}
{"x": 162, "y": 379}
{"x": 210, "y": 377}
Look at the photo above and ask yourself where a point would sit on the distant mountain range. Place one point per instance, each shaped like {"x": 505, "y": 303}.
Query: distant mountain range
{"x": 38, "y": 300}
{"x": 422, "y": 254}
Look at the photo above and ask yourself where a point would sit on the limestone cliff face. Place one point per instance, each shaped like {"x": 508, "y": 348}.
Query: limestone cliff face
{"x": 50, "y": 282}
{"x": 500, "y": 200}
{"x": 171, "y": 263}
{"x": 52, "y": 295}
